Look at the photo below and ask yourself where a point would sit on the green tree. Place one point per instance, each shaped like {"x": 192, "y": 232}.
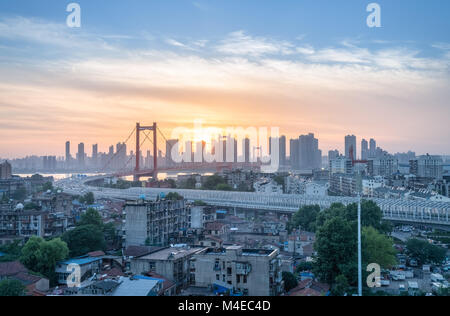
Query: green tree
{"x": 173, "y": 196}
{"x": 172, "y": 183}
{"x": 31, "y": 206}
{"x": 340, "y": 286}
{"x": 377, "y": 248}
{"x": 305, "y": 217}
{"x": 31, "y": 253}
{"x": 47, "y": 186}
{"x": 336, "y": 209}
{"x": 336, "y": 250}
{"x": 10, "y": 287}
{"x": 304, "y": 266}
{"x": 290, "y": 281}
{"x": 12, "y": 251}
{"x": 49, "y": 254}
{"x": 223, "y": 187}
{"x": 20, "y": 194}
{"x": 213, "y": 181}
{"x": 91, "y": 217}
{"x": 200, "y": 203}
{"x": 84, "y": 239}
{"x": 424, "y": 252}
{"x": 279, "y": 179}
{"x": 371, "y": 215}
{"x": 89, "y": 198}
{"x": 110, "y": 233}
{"x": 41, "y": 256}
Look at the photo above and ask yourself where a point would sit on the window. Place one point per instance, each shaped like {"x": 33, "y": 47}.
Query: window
{"x": 217, "y": 277}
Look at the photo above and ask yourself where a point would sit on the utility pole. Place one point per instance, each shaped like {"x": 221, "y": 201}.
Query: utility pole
{"x": 359, "y": 247}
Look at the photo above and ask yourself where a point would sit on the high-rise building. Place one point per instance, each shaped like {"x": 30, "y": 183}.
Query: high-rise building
{"x": 281, "y": 149}
{"x": 294, "y": 154}
{"x": 333, "y": 154}
{"x": 427, "y": 166}
{"x": 310, "y": 157}
{"x": 341, "y": 165}
{"x": 246, "y": 150}
{"x": 372, "y": 148}
{"x": 121, "y": 156}
{"x": 94, "y": 155}
{"x": 350, "y": 145}
{"x": 68, "y": 157}
{"x": 364, "y": 149}
{"x": 5, "y": 170}
{"x": 384, "y": 165}
{"x": 80, "y": 155}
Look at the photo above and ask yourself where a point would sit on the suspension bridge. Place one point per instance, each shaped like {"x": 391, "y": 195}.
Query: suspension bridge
{"x": 150, "y": 133}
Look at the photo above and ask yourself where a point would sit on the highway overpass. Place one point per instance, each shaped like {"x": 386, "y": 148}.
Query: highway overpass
{"x": 419, "y": 212}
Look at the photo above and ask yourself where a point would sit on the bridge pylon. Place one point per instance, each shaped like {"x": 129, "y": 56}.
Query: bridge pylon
{"x": 137, "y": 169}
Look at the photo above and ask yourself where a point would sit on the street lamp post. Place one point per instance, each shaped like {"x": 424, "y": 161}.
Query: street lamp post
{"x": 359, "y": 248}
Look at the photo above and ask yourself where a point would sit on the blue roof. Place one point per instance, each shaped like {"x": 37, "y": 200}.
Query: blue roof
{"x": 143, "y": 277}
{"x": 80, "y": 260}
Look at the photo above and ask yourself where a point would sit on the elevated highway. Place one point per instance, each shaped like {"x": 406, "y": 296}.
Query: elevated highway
{"x": 408, "y": 211}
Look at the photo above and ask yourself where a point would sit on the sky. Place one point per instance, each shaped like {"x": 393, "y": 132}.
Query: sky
{"x": 302, "y": 65}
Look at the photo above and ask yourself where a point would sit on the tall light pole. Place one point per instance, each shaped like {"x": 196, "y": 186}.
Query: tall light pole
{"x": 359, "y": 247}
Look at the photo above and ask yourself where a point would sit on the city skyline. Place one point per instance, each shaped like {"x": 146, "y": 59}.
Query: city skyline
{"x": 310, "y": 71}
{"x": 69, "y": 147}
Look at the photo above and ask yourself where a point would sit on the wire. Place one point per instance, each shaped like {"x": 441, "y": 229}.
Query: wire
{"x": 117, "y": 152}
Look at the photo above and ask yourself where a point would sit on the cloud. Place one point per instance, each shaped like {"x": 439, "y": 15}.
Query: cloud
{"x": 239, "y": 43}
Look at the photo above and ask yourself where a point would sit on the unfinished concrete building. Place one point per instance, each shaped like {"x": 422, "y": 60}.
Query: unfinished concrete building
{"x": 156, "y": 223}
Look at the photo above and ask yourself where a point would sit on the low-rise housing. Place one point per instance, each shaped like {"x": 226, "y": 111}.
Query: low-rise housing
{"x": 254, "y": 272}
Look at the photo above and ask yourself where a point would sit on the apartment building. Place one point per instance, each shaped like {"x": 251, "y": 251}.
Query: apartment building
{"x": 253, "y": 272}
{"x": 23, "y": 223}
{"x": 157, "y": 223}
{"x": 172, "y": 263}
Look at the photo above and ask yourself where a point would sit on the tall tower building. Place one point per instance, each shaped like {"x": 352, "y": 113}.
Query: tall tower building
{"x": 80, "y": 155}
{"x": 68, "y": 157}
{"x": 294, "y": 154}
{"x": 364, "y": 149}
{"x": 310, "y": 157}
{"x": 372, "y": 148}
{"x": 94, "y": 155}
{"x": 350, "y": 142}
{"x": 282, "y": 148}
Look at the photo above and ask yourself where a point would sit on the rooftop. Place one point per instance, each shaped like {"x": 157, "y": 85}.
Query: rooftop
{"x": 79, "y": 261}
{"x": 137, "y": 286}
{"x": 11, "y": 268}
{"x": 171, "y": 253}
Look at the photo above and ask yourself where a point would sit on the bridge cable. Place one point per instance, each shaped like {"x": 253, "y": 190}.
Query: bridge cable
{"x": 117, "y": 152}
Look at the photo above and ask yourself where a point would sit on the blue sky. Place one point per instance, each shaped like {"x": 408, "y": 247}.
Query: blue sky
{"x": 320, "y": 20}
{"x": 308, "y": 66}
